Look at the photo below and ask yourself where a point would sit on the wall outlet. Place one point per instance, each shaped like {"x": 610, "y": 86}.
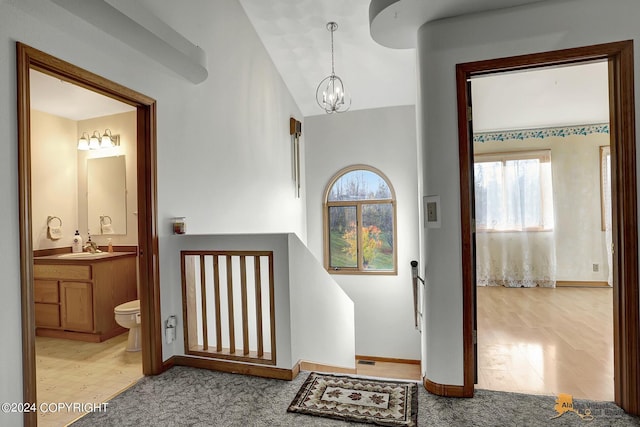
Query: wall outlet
{"x": 596, "y": 268}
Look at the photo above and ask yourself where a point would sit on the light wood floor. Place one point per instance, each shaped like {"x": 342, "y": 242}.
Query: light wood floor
{"x": 399, "y": 371}
{"x": 546, "y": 341}
{"x": 75, "y": 371}
{"x": 392, "y": 370}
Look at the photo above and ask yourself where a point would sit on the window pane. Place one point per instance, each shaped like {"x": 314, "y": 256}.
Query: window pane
{"x": 489, "y": 195}
{"x": 343, "y": 243}
{"x": 359, "y": 185}
{"x": 514, "y": 194}
{"x": 523, "y": 198}
{"x": 377, "y": 236}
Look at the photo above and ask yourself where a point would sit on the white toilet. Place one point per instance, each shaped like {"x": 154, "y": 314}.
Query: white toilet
{"x": 128, "y": 316}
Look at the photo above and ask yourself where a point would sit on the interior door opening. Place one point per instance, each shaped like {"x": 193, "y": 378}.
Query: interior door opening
{"x": 543, "y": 231}
{"x": 29, "y": 59}
{"x": 619, "y": 57}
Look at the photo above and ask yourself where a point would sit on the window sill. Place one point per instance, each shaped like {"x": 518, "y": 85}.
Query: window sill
{"x": 362, "y": 272}
{"x": 528, "y": 230}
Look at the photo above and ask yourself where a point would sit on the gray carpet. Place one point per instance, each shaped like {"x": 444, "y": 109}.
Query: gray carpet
{"x": 193, "y": 397}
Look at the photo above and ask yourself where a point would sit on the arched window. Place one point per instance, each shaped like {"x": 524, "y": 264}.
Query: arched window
{"x": 360, "y": 222}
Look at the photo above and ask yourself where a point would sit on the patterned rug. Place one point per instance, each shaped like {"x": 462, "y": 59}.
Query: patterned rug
{"x": 384, "y": 403}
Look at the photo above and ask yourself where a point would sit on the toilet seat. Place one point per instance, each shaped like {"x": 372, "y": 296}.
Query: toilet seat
{"x": 130, "y": 307}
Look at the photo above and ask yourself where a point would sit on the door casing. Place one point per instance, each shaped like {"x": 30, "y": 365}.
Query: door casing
{"x": 626, "y": 303}
{"x": 29, "y": 58}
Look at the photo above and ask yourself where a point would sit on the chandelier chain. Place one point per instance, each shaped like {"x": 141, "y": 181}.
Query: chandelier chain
{"x": 333, "y": 73}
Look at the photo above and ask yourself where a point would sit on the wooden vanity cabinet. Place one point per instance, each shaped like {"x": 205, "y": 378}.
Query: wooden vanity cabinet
{"x": 75, "y": 299}
{"x": 46, "y": 297}
{"x": 76, "y": 306}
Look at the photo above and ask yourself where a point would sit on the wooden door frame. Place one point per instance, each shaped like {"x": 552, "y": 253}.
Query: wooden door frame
{"x": 626, "y": 305}
{"x": 29, "y": 58}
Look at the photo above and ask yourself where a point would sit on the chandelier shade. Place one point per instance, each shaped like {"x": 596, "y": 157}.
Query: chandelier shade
{"x": 331, "y": 95}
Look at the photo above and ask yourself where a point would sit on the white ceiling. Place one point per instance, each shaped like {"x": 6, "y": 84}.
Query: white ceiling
{"x": 64, "y": 99}
{"x": 294, "y": 34}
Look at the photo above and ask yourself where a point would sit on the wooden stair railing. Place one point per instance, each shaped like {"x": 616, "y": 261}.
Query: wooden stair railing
{"x": 229, "y": 294}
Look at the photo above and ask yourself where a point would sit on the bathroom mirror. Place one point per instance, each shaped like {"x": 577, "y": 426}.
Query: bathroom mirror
{"x": 107, "y": 195}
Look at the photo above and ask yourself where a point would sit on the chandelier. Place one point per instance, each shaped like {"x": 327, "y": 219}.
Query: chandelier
{"x": 330, "y": 94}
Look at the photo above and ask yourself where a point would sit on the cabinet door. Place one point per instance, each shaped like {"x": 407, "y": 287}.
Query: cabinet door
{"x": 47, "y": 307}
{"x": 47, "y": 315}
{"x": 76, "y": 300}
{"x": 45, "y": 291}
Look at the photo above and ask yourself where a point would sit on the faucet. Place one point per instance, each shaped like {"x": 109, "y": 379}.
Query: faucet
{"x": 91, "y": 246}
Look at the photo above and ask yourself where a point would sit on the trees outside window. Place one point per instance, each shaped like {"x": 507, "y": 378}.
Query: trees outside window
{"x": 359, "y": 222}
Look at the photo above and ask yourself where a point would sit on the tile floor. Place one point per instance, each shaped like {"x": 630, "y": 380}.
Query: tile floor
{"x": 75, "y": 371}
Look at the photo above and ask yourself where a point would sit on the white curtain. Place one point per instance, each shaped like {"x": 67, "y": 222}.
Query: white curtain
{"x": 515, "y": 242}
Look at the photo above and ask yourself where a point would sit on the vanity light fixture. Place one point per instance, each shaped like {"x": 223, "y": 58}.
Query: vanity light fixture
{"x": 95, "y": 142}
{"x": 83, "y": 142}
{"x": 107, "y": 139}
{"x": 330, "y": 94}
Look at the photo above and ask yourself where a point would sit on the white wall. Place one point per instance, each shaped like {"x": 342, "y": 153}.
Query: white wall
{"x": 322, "y": 315}
{"x": 384, "y": 138}
{"x": 538, "y": 27}
{"x": 575, "y": 169}
{"x": 314, "y": 318}
{"x": 59, "y": 175}
{"x": 223, "y": 145}
{"x": 54, "y": 178}
{"x": 172, "y": 295}
{"x": 554, "y": 96}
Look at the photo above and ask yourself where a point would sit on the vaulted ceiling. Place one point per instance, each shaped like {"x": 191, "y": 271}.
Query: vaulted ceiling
{"x": 294, "y": 34}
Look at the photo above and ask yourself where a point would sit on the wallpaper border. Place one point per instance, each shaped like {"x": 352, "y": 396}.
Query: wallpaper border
{"x": 540, "y": 133}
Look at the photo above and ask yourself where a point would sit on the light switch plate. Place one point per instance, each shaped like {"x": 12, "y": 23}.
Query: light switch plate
{"x": 432, "y": 212}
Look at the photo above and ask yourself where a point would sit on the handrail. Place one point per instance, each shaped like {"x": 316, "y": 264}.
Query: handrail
{"x": 414, "y": 279}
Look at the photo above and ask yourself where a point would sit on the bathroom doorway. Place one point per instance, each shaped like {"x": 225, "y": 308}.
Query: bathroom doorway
{"x": 142, "y": 140}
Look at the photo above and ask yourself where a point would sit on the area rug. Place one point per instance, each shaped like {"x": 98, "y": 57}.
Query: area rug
{"x": 385, "y": 403}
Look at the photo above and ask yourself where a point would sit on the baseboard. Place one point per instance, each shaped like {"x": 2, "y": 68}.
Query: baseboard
{"x": 327, "y": 369}
{"x": 580, "y": 284}
{"x": 237, "y": 368}
{"x": 387, "y": 359}
{"x": 444, "y": 389}
{"x": 167, "y": 364}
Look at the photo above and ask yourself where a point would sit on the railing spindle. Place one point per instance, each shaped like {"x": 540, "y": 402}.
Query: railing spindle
{"x": 256, "y": 267}
{"x": 272, "y": 314}
{"x": 245, "y": 315}
{"x": 203, "y": 292}
{"x": 232, "y": 337}
{"x": 216, "y": 289}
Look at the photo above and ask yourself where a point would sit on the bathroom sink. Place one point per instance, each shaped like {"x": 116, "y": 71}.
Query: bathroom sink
{"x": 85, "y": 255}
